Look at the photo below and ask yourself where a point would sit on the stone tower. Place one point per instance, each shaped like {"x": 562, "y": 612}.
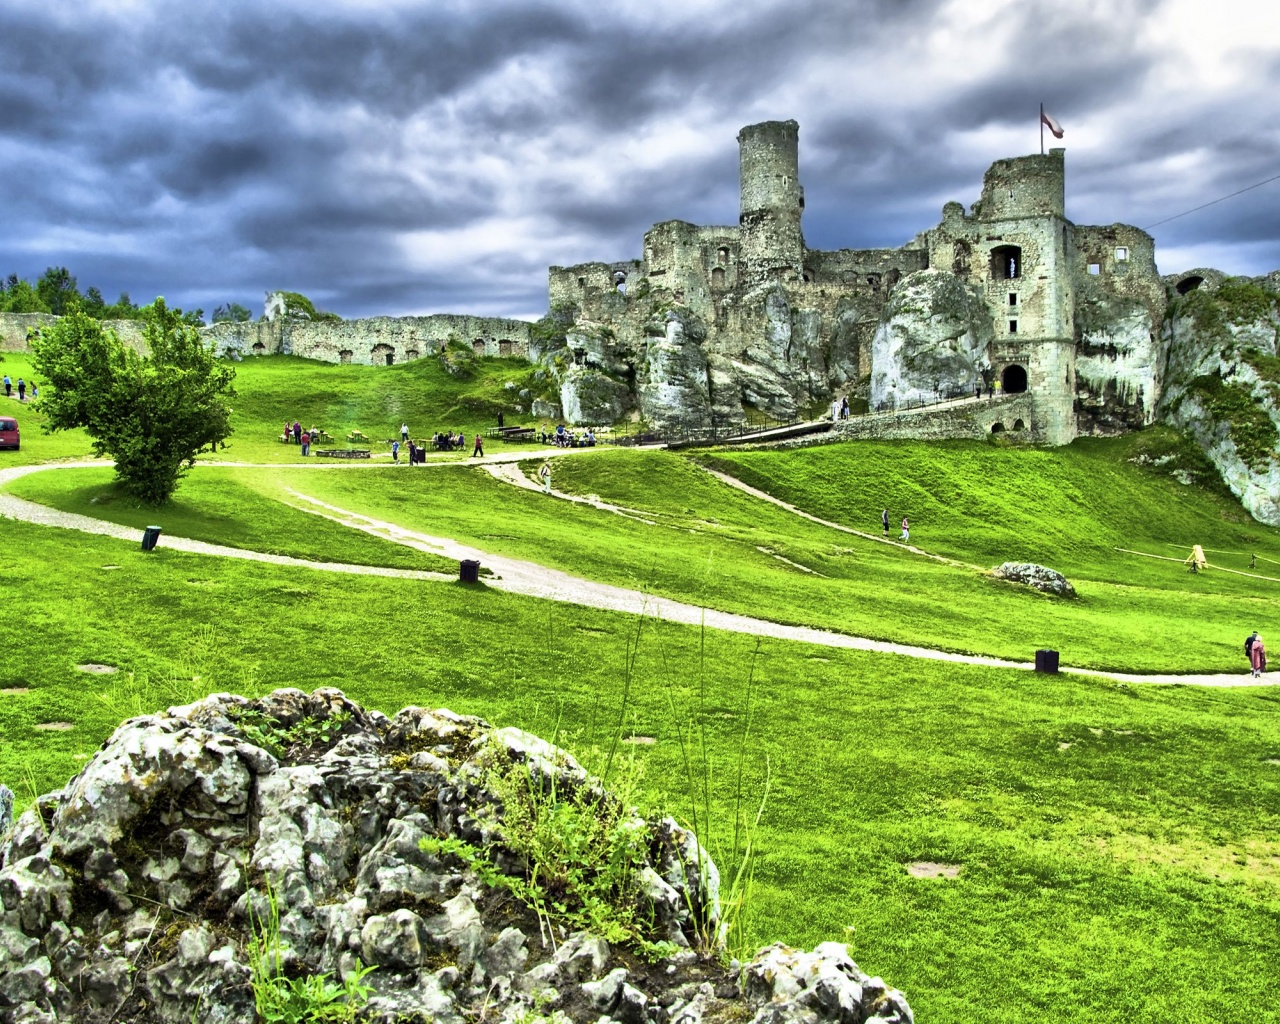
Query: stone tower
{"x": 1028, "y": 285}
{"x": 772, "y": 246}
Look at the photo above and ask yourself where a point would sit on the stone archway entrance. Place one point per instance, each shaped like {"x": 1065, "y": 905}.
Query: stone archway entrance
{"x": 382, "y": 355}
{"x": 1013, "y": 381}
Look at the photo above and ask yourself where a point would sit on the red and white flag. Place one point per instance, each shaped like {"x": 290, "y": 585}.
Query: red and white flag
{"x": 1047, "y": 120}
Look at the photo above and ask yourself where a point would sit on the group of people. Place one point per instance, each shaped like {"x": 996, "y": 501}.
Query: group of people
{"x": 448, "y": 441}
{"x": 1256, "y": 651}
{"x": 295, "y": 434}
{"x": 906, "y": 526}
{"x": 563, "y": 438}
{"x": 840, "y": 408}
{"x": 22, "y": 389}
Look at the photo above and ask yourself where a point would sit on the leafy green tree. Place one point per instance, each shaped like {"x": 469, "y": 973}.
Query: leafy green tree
{"x": 20, "y": 297}
{"x": 231, "y": 313}
{"x": 153, "y": 414}
{"x": 299, "y": 306}
{"x": 122, "y": 310}
{"x": 57, "y": 290}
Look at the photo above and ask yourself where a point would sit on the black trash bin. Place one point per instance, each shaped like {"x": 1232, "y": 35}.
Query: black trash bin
{"x": 469, "y": 570}
{"x": 1047, "y": 661}
{"x": 149, "y": 537}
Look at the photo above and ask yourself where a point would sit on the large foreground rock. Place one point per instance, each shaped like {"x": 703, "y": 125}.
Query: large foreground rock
{"x": 128, "y": 895}
{"x": 1037, "y": 576}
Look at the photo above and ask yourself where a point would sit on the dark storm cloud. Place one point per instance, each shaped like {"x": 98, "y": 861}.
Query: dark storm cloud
{"x": 406, "y": 158}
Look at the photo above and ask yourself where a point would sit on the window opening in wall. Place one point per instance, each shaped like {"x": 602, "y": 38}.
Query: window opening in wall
{"x": 1006, "y": 263}
{"x": 1019, "y": 425}
{"x": 1013, "y": 298}
{"x": 259, "y": 348}
{"x": 1095, "y": 268}
{"x": 504, "y": 347}
{"x": 1013, "y": 326}
{"x": 477, "y": 346}
{"x": 997, "y": 428}
{"x": 411, "y": 354}
{"x": 722, "y": 255}
{"x": 717, "y": 277}
{"x": 582, "y": 282}
{"x": 384, "y": 354}
{"x": 893, "y": 277}
{"x": 345, "y": 355}
{"x": 1189, "y": 284}
{"x": 873, "y": 280}
{"x": 809, "y": 276}
{"x": 1122, "y": 254}
{"x": 1013, "y": 381}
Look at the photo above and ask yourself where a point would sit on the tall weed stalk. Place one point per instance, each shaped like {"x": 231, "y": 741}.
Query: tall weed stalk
{"x": 731, "y": 844}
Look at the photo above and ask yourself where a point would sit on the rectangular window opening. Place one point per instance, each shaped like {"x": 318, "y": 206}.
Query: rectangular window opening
{"x": 1013, "y": 326}
{"x": 1095, "y": 268}
{"x": 1122, "y": 254}
{"x": 1013, "y": 298}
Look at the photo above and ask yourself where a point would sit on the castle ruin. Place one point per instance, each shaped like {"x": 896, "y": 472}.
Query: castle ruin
{"x": 720, "y": 323}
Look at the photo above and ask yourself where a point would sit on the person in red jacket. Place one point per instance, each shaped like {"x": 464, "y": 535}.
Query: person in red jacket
{"x": 479, "y": 452}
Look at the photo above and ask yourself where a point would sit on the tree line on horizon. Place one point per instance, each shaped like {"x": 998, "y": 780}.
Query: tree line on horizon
{"x": 57, "y": 292}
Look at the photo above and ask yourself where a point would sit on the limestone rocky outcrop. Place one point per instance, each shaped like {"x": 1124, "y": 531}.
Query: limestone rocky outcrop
{"x": 1223, "y": 383}
{"x": 1038, "y": 577}
{"x": 932, "y": 341}
{"x": 130, "y": 895}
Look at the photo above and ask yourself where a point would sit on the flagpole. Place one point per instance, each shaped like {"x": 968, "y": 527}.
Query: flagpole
{"x": 1042, "y": 129}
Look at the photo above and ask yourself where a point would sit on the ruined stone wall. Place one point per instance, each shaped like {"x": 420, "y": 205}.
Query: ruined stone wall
{"x": 874, "y": 268}
{"x": 1119, "y": 326}
{"x": 371, "y": 340}
{"x": 16, "y": 327}
{"x": 1024, "y": 186}
{"x": 1013, "y": 416}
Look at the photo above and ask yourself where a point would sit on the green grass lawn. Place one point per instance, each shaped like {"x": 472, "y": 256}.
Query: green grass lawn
{"x": 222, "y": 505}
{"x": 1117, "y": 845}
{"x": 709, "y": 544}
{"x": 375, "y": 400}
{"x": 37, "y": 446}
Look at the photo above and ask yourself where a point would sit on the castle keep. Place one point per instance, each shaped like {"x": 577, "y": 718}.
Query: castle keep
{"x": 716, "y": 323}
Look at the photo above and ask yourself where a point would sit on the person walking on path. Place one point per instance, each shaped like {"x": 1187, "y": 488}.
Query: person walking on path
{"x": 395, "y": 451}
{"x": 22, "y": 390}
{"x": 306, "y": 443}
{"x": 479, "y": 449}
{"x": 544, "y": 474}
{"x": 1248, "y": 645}
{"x": 8, "y": 387}
{"x": 906, "y": 533}
{"x": 404, "y": 432}
{"x": 1258, "y": 656}
{"x": 884, "y": 521}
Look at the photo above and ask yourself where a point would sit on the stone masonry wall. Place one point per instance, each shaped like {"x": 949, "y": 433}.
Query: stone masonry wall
{"x": 16, "y": 327}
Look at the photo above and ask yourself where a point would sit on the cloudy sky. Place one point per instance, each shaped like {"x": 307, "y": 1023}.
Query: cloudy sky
{"x": 417, "y": 157}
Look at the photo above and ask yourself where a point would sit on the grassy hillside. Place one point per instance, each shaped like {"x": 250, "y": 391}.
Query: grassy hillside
{"x": 1116, "y": 845}
{"x": 375, "y": 400}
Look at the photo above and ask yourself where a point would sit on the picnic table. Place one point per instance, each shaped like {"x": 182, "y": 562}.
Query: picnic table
{"x": 513, "y": 433}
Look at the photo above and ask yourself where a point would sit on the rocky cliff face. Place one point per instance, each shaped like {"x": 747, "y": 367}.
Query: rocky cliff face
{"x": 932, "y": 341}
{"x": 224, "y": 856}
{"x": 1223, "y": 384}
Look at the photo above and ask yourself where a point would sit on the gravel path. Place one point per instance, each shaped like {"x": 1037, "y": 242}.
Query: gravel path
{"x": 533, "y": 580}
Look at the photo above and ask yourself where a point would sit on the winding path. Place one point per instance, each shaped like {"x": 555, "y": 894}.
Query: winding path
{"x": 533, "y": 580}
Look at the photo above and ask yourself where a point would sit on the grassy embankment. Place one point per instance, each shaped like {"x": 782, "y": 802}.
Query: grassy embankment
{"x": 1116, "y": 844}
{"x": 709, "y": 544}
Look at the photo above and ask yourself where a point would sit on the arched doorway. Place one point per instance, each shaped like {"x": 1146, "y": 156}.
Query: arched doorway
{"x": 1013, "y": 381}
{"x": 997, "y": 428}
{"x": 1019, "y": 425}
{"x": 1190, "y": 284}
{"x": 382, "y": 355}
{"x": 1006, "y": 263}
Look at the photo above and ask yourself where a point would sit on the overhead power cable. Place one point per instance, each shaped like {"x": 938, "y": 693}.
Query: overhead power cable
{"x": 1211, "y": 202}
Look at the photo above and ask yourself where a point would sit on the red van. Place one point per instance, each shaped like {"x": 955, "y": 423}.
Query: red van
{"x": 8, "y": 432}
